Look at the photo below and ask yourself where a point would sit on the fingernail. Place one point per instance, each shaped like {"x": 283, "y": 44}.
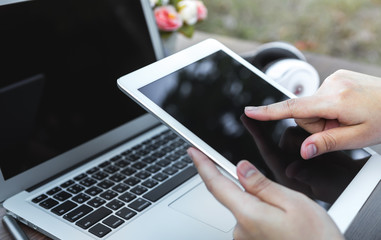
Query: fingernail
{"x": 246, "y": 169}
{"x": 311, "y": 150}
{"x": 190, "y": 152}
{"x": 250, "y": 109}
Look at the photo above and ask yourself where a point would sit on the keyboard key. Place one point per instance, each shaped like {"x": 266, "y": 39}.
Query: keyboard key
{"x": 104, "y": 164}
{"x": 180, "y": 153}
{"x": 170, "y": 170}
{"x": 142, "y": 175}
{"x": 92, "y": 170}
{"x": 100, "y": 175}
{"x": 180, "y": 165}
{"x": 105, "y": 184}
{"x": 139, "y": 204}
{"x": 64, "y": 207}
{"x": 53, "y": 191}
{"x": 167, "y": 149}
{"x": 122, "y": 163}
{"x": 48, "y": 203}
{"x": 161, "y": 190}
{"x": 62, "y": 196}
{"x": 76, "y": 188}
{"x": 127, "y": 152}
{"x": 115, "y": 204}
{"x": 138, "y": 190}
{"x": 93, "y": 191}
{"x": 153, "y": 169}
{"x": 125, "y": 213}
{"x": 149, "y": 159}
{"x": 111, "y": 169}
{"x": 81, "y": 198}
{"x": 137, "y": 147}
{"x": 121, "y": 188}
{"x": 132, "y": 157}
{"x": 142, "y": 152}
{"x": 108, "y": 195}
{"x": 77, "y": 213}
{"x": 67, "y": 183}
{"x": 100, "y": 230}
{"x": 127, "y": 197}
{"x": 139, "y": 165}
{"x": 117, "y": 177}
{"x": 186, "y": 159}
{"x": 163, "y": 163}
{"x": 151, "y": 148}
{"x": 160, "y": 177}
{"x": 150, "y": 183}
{"x": 80, "y": 177}
{"x": 159, "y": 154}
{"x": 93, "y": 217}
{"x": 96, "y": 202}
{"x": 39, "y": 198}
{"x": 113, "y": 221}
{"x": 132, "y": 181}
{"x": 87, "y": 182}
{"x": 128, "y": 171}
{"x": 116, "y": 158}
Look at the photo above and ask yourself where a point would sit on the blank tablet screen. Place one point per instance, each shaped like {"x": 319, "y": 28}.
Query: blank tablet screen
{"x": 209, "y": 96}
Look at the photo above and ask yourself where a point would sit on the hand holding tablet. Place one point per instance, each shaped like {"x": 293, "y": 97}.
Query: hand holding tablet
{"x": 265, "y": 210}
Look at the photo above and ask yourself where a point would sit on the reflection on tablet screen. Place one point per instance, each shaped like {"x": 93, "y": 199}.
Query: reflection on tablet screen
{"x": 209, "y": 96}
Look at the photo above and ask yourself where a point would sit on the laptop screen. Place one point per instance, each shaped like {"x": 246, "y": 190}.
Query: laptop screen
{"x": 51, "y": 51}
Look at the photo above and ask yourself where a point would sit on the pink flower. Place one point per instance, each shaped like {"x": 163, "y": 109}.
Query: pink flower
{"x": 202, "y": 11}
{"x": 167, "y": 19}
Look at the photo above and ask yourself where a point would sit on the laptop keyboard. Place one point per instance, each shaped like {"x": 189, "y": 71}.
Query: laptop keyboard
{"x": 105, "y": 197}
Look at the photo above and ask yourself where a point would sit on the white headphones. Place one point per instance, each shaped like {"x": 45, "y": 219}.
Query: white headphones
{"x": 285, "y": 64}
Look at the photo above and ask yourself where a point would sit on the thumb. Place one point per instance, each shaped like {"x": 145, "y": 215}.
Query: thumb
{"x": 255, "y": 183}
{"x": 334, "y": 139}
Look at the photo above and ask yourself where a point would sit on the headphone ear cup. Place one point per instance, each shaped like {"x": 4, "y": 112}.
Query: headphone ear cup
{"x": 285, "y": 64}
{"x": 271, "y": 52}
{"x": 297, "y": 76}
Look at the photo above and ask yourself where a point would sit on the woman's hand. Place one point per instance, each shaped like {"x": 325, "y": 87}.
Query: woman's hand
{"x": 345, "y": 113}
{"x": 265, "y": 210}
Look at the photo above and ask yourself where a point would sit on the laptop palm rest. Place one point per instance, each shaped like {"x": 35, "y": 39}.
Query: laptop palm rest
{"x": 199, "y": 204}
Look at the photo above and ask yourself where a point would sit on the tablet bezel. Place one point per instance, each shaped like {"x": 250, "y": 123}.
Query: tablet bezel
{"x": 344, "y": 208}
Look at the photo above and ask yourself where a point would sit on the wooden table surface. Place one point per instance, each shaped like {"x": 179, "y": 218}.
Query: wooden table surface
{"x": 367, "y": 224}
{"x": 31, "y": 233}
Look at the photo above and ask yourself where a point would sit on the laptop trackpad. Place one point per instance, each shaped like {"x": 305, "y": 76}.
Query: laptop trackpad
{"x": 200, "y": 204}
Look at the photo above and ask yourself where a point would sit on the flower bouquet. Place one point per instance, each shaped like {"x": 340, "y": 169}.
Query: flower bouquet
{"x": 178, "y": 15}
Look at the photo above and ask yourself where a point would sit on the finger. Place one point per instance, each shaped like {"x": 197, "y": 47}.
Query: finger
{"x": 266, "y": 190}
{"x": 240, "y": 203}
{"x": 222, "y": 188}
{"x": 305, "y": 107}
{"x": 313, "y": 125}
{"x": 340, "y": 138}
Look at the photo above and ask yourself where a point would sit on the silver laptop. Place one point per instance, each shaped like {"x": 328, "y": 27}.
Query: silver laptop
{"x": 79, "y": 164}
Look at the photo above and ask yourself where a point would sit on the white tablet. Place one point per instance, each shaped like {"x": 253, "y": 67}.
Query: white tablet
{"x": 201, "y": 93}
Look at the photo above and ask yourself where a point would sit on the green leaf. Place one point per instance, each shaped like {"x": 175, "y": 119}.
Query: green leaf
{"x": 165, "y": 35}
{"x": 187, "y": 30}
{"x": 174, "y": 3}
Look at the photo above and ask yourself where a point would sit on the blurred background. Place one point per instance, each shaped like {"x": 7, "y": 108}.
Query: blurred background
{"x": 347, "y": 29}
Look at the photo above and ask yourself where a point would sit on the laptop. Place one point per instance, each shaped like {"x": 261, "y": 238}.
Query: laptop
{"x": 80, "y": 164}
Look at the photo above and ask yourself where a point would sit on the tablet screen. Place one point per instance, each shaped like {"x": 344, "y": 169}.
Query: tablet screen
{"x": 209, "y": 96}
